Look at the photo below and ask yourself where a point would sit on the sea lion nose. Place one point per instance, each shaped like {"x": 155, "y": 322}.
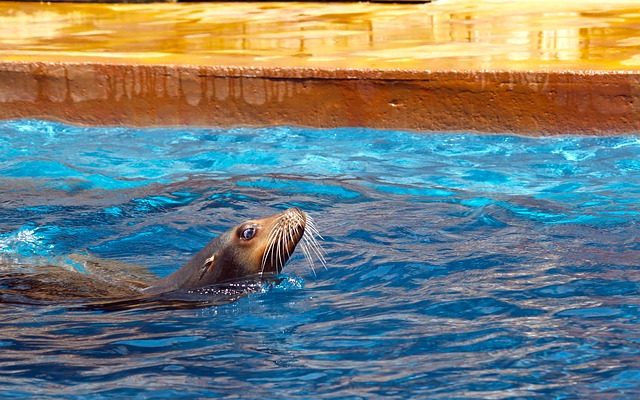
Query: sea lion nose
{"x": 296, "y": 213}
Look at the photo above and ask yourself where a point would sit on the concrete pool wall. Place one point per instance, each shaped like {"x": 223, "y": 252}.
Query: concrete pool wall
{"x": 483, "y": 66}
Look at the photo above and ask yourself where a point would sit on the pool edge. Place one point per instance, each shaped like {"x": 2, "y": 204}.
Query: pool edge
{"x": 533, "y": 103}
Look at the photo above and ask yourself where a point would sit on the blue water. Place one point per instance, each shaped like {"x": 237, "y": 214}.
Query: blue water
{"x": 459, "y": 266}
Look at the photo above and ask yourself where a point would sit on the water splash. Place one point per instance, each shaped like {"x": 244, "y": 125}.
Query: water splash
{"x": 25, "y": 242}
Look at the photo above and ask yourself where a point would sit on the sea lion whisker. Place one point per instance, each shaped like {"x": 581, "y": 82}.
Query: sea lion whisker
{"x": 286, "y": 236}
{"x": 268, "y": 253}
{"x": 275, "y": 250}
{"x": 265, "y": 254}
{"x": 308, "y": 257}
{"x": 312, "y": 232}
{"x": 313, "y": 239}
{"x": 282, "y": 255}
{"x": 284, "y": 248}
{"x": 263, "y": 262}
{"x": 315, "y": 248}
{"x": 320, "y": 251}
{"x": 290, "y": 239}
{"x": 275, "y": 246}
{"x": 279, "y": 249}
{"x": 311, "y": 224}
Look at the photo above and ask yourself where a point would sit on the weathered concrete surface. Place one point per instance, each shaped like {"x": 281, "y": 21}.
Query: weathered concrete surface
{"x": 523, "y": 102}
{"x": 484, "y": 66}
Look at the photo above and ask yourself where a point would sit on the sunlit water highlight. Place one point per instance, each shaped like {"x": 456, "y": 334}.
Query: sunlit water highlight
{"x": 458, "y": 266}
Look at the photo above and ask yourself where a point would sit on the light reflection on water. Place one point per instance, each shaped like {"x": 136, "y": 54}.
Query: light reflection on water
{"x": 443, "y": 35}
{"x": 458, "y": 265}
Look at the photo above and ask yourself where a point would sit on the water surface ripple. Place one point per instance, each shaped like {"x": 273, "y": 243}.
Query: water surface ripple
{"x": 459, "y": 266}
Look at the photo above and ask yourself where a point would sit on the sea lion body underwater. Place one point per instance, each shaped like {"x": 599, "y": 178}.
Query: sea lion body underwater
{"x": 254, "y": 249}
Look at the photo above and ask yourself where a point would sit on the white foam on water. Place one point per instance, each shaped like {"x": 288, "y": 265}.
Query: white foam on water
{"x": 24, "y": 242}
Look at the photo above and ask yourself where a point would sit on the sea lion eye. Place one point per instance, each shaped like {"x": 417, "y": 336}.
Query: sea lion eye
{"x": 248, "y": 233}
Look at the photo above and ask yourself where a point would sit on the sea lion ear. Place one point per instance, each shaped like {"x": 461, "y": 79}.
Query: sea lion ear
{"x": 208, "y": 265}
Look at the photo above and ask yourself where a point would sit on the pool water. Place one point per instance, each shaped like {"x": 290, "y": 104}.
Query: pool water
{"x": 458, "y": 265}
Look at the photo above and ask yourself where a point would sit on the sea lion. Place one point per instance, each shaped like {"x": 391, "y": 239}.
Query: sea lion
{"x": 255, "y": 249}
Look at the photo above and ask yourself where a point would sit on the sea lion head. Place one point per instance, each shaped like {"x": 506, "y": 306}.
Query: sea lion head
{"x": 262, "y": 246}
{"x": 254, "y": 248}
